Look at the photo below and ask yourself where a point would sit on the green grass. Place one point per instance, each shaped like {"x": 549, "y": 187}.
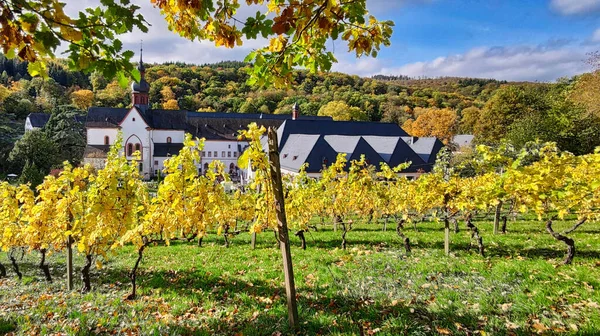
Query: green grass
{"x": 373, "y": 286}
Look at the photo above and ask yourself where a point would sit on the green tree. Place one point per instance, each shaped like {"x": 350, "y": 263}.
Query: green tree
{"x": 67, "y": 133}
{"x": 339, "y": 110}
{"x": 37, "y": 148}
{"x": 31, "y": 174}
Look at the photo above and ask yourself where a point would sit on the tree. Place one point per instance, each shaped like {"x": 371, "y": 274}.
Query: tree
{"x": 507, "y": 105}
{"x": 469, "y": 118}
{"x": 37, "y": 148}
{"x": 440, "y": 123}
{"x": 171, "y": 104}
{"x": 339, "y": 110}
{"x": 67, "y": 133}
{"x": 82, "y": 99}
{"x": 31, "y": 175}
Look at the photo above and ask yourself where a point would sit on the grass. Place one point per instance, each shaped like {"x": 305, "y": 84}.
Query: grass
{"x": 373, "y": 287}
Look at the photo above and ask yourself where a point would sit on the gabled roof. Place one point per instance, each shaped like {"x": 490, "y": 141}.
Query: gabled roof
{"x": 252, "y": 116}
{"x": 330, "y": 127}
{"x": 38, "y": 119}
{"x": 167, "y": 149}
{"x": 426, "y": 147}
{"x": 404, "y": 153}
{"x": 105, "y": 117}
{"x": 371, "y": 156}
{"x": 296, "y": 151}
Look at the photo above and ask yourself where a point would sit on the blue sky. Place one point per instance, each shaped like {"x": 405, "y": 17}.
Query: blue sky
{"x": 522, "y": 40}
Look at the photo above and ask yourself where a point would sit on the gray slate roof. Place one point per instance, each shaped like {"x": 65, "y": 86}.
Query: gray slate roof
{"x": 319, "y": 143}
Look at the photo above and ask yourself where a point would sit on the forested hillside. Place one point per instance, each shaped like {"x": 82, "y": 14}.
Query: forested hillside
{"x": 566, "y": 112}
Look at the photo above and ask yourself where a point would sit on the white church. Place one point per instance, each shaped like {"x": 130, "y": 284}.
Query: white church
{"x": 158, "y": 134}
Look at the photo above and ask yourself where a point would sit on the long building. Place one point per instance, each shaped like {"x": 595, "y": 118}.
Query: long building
{"x": 158, "y": 134}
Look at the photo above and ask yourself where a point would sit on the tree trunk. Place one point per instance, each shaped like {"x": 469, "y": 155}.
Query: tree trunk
{"x": 335, "y": 223}
{"x": 200, "y": 241}
{"x": 300, "y": 235}
{"x": 497, "y": 217}
{"x": 253, "y": 241}
{"x": 277, "y": 237}
{"x": 403, "y": 236}
{"x": 15, "y": 266}
{"x": 133, "y": 274}
{"x": 225, "y": 233}
{"x": 344, "y": 232}
{"x": 455, "y": 222}
{"x": 446, "y": 235}
{"x": 568, "y": 241}
{"x": 45, "y": 267}
{"x": 85, "y": 274}
{"x": 2, "y": 271}
{"x": 192, "y": 237}
{"x": 385, "y": 220}
{"x": 504, "y": 224}
{"x": 475, "y": 235}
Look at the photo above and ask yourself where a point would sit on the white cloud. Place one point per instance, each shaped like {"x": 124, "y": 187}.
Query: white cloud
{"x": 575, "y": 7}
{"x": 595, "y": 36}
{"x": 546, "y": 62}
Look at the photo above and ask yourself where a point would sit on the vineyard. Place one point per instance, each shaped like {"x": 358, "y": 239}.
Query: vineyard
{"x": 377, "y": 252}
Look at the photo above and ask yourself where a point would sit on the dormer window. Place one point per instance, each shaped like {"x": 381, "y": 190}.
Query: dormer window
{"x": 294, "y": 157}
{"x": 106, "y": 140}
{"x": 168, "y": 139}
{"x": 285, "y": 156}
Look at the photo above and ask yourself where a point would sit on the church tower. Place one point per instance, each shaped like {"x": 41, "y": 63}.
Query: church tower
{"x": 139, "y": 91}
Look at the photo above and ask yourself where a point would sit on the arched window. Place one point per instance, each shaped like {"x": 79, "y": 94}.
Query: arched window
{"x": 106, "y": 140}
{"x": 129, "y": 149}
{"x": 168, "y": 139}
{"x": 137, "y": 147}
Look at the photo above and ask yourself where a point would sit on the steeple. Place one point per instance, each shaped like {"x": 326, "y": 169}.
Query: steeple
{"x": 139, "y": 91}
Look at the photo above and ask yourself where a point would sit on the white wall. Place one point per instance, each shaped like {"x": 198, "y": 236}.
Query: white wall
{"x": 28, "y": 126}
{"x": 95, "y": 136}
{"x": 160, "y": 136}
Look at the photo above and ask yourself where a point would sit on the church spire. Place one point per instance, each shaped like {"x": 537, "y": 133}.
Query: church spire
{"x": 139, "y": 91}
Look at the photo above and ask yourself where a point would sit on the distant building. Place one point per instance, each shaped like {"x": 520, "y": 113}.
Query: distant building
{"x": 318, "y": 143}
{"x": 158, "y": 134}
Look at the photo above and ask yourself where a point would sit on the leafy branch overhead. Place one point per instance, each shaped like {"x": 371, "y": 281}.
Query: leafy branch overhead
{"x": 297, "y": 33}
{"x": 34, "y": 30}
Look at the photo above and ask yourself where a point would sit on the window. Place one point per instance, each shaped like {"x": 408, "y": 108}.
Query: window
{"x": 168, "y": 139}
{"x": 156, "y": 162}
{"x": 132, "y": 119}
{"x": 294, "y": 157}
{"x": 141, "y": 166}
{"x": 203, "y": 153}
{"x": 106, "y": 140}
{"x": 223, "y": 154}
{"x": 229, "y": 154}
{"x": 285, "y": 155}
{"x": 129, "y": 149}
{"x": 234, "y": 154}
{"x": 228, "y": 146}
{"x": 209, "y": 153}
{"x": 216, "y": 154}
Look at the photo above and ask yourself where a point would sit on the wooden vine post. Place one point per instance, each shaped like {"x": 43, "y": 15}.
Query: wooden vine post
{"x": 284, "y": 242}
{"x": 69, "y": 256}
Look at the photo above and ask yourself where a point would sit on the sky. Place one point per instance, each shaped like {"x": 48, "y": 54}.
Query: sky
{"x": 515, "y": 40}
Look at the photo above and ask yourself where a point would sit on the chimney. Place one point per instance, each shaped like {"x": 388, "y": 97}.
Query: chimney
{"x": 295, "y": 111}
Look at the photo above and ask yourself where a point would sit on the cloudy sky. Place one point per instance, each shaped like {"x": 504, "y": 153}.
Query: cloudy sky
{"x": 532, "y": 40}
